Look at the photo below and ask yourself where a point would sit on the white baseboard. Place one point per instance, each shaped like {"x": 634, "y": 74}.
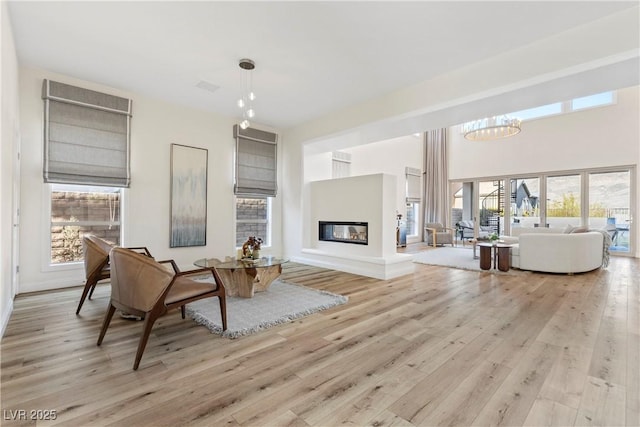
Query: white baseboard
{"x": 6, "y": 315}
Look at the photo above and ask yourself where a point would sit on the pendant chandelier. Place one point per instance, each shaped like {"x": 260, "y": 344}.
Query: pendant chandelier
{"x": 245, "y": 103}
{"x": 491, "y": 128}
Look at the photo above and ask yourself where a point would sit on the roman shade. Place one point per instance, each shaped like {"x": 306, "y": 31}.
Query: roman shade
{"x": 256, "y": 155}
{"x": 86, "y": 136}
{"x": 414, "y": 176}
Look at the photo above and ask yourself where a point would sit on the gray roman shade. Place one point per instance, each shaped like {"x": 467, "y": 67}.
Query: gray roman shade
{"x": 414, "y": 177}
{"x": 255, "y": 162}
{"x": 86, "y": 136}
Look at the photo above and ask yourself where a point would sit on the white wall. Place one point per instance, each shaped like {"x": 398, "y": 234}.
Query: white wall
{"x": 389, "y": 157}
{"x": 365, "y": 198}
{"x": 155, "y": 126}
{"x": 9, "y": 146}
{"x": 597, "y": 137}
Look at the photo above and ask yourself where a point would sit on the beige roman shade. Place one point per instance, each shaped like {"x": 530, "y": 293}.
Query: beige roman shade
{"x": 86, "y": 136}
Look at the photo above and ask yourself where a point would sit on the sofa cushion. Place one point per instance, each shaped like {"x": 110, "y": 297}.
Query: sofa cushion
{"x": 581, "y": 229}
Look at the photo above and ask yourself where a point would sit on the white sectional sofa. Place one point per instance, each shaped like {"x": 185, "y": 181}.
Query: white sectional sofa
{"x": 554, "y": 250}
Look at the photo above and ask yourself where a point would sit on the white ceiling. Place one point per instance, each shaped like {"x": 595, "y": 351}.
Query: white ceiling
{"x": 311, "y": 57}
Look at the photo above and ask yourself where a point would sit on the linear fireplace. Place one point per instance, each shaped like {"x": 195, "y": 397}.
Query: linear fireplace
{"x": 345, "y": 232}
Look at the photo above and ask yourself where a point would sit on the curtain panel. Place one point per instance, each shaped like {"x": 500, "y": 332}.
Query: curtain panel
{"x": 256, "y": 163}
{"x": 436, "y": 179}
{"x": 86, "y": 136}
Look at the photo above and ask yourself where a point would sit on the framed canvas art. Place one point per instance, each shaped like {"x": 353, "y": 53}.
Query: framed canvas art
{"x": 188, "y": 196}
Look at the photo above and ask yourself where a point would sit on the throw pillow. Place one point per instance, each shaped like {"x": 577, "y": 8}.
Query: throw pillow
{"x": 568, "y": 229}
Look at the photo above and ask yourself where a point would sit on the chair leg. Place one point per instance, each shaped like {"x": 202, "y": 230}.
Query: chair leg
{"x": 149, "y": 320}
{"x": 105, "y": 323}
{"x": 85, "y": 291}
{"x": 223, "y": 311}
{"x": 93, "y": 288}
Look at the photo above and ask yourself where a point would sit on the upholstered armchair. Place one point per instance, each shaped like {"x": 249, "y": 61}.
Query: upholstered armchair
{"x": 96, "y": 263}
{"x": 437, "y": 234}
{"x": 465, "y": 230}
{"x": 147, "y": 288}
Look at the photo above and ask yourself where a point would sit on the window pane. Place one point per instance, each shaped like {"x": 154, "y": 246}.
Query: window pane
{"x": 563, "y": 201}
{"x": 413, "y": 209}
{"x": 252, "y": 219}
{"x": 534, "y": 113}
{"x": 525, "y": 202}
{"x": 610, "y": 206}
{"x": 80, "y": 210}
{"x": 491, "y": 203}
{"x": 592, "y": 100}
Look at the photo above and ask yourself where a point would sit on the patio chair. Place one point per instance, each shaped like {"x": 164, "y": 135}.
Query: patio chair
{"x": 143, "y": 286}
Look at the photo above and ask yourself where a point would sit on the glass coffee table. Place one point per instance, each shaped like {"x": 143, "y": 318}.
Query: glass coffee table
{"x": 244, "y": 277}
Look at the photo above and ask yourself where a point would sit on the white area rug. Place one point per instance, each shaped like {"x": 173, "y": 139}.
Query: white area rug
{"x": 456, "y": 257}
{"x": 281, "y": 303}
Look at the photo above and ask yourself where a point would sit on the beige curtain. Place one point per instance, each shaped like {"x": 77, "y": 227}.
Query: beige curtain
{"x": 436, "y": 178}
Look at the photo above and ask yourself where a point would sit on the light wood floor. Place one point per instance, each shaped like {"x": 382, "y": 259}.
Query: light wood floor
{"x": 439, "y": 347}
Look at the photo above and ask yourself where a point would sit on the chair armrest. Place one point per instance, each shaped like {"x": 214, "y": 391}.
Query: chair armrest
{"x": 141, "y": 250}
{"x": 194, "y": 272}
{"x": 174, "y": 266}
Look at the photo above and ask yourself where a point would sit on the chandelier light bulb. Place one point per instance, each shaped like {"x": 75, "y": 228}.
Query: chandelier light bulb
{"x": 240, "y": 103}
{"x": 244, "y": 124}
{"x": 251, "y": 113}
{"x": 252, "y": 96}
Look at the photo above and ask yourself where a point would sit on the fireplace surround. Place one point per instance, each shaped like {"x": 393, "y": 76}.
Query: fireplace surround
{"x": 344, "y": 232}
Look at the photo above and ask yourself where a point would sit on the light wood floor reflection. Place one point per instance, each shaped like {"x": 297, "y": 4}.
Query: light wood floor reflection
{"x": 438, "y": 347}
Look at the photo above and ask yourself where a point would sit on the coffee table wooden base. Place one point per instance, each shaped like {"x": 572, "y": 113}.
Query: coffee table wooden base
{"x": 501, "y": 255}
{"x": 485, "y": 256}
{"x": 243, "y": 282}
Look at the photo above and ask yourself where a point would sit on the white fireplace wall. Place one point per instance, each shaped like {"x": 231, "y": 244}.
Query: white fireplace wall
{"x": 365, "y": 198}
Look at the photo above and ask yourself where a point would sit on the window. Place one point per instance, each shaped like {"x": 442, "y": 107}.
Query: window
{"x": 596, "y": 100}
{"x": 79, "y": 209}
{"x": 538, "y": 112}
{"x": 576, "y": 104}
{"x": 86, "y": 163}
{"x": 253, "y": 218}
{"x": 413, "y": 197}
{"x": 413, "y": 213}
{"x": 256, "y": 166}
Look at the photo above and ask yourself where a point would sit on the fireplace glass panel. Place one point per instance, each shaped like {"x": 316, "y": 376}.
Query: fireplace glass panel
{"x": 345, "y": 232}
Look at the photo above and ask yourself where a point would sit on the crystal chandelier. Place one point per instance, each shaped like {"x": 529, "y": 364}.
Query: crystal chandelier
{"x": 491, "y": 128}
{"x": 245, "y": 103}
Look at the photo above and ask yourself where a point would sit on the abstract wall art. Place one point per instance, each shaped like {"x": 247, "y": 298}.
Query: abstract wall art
{"x": 188, "y": 196}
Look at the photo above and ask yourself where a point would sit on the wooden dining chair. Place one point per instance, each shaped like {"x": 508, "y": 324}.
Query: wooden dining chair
{"x": 96, "y": 263}
{"x": 145, "y": 287}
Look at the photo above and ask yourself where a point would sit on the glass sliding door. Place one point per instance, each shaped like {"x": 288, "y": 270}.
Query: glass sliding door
{"x": 610, "y": 206}
{"x": 491, "y": 204}
{"x": 524, "y": 201}
{"x": 563, "y": 201}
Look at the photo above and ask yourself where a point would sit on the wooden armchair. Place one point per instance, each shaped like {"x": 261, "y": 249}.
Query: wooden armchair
{"x": 96, "y": 263}
{"x": 437, "y": 234}
{"x": 144, "y": 287}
